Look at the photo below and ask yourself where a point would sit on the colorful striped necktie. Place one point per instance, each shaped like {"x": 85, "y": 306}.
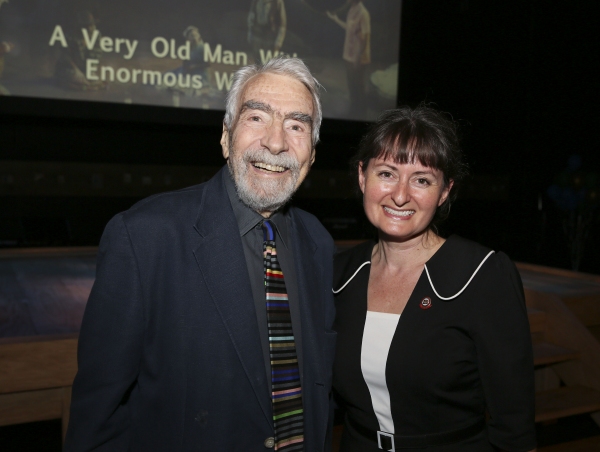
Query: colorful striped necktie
{"x": 288, "y": 414}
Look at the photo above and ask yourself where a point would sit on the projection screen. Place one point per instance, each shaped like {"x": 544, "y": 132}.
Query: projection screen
{"x": 182, "y": 53}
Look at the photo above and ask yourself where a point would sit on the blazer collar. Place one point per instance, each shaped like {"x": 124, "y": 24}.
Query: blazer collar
{"x": 450, "y": 269}
{"x": 349, "y": 263}
{"x": 214, "y": 203}
{"x": 309, "y": 270}
{"x": 220, "y": 258}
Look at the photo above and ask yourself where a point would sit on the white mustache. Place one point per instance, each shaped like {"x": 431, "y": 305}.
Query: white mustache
{"x": 264, "y": 156}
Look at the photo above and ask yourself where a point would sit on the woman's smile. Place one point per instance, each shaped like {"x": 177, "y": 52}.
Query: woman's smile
{"x": 405, "y": 214}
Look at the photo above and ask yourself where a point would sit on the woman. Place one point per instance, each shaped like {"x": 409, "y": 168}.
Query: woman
{"x": 433, "y": 335}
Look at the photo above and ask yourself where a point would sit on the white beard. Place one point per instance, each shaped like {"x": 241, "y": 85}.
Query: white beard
{"x": 259, "y": 194}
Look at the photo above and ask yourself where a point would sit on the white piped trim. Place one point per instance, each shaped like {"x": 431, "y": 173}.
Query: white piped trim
{"x": 461, "y": 290}
{"x": 351, "y": 277}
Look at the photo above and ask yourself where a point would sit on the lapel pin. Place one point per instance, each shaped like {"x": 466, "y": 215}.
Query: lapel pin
{"x": 425, "y": 303}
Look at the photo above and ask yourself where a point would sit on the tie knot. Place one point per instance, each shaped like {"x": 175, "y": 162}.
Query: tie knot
{"x": 268, "y": 231}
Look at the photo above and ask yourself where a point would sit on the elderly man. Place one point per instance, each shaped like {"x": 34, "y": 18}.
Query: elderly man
{"x": 208, "y": 327}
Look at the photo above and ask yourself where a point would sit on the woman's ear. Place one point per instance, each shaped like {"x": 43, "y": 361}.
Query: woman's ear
{"x": 361, "y": 177}
{"x": 446, "y": 192}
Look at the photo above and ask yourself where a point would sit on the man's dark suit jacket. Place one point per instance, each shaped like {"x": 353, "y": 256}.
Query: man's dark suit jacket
{"x": 169, "y": 352}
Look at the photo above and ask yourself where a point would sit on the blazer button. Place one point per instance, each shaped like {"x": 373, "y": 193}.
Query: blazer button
{"x": 270, "y": 442}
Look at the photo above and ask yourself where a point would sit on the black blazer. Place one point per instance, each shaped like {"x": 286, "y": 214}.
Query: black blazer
{"x": 450, "y": 361}
{"x": 169, "y": 351}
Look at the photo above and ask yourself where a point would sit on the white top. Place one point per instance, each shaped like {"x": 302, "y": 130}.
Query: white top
{"x": 377, "y": 338}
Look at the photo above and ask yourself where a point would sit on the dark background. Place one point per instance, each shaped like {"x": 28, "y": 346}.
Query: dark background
{"x": 521, "y": 77}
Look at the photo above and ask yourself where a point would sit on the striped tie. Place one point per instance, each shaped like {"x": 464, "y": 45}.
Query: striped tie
{"x": 288, "y": 415}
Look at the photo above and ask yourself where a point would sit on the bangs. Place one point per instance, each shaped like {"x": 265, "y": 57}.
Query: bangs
{"x": 407, "y": 142}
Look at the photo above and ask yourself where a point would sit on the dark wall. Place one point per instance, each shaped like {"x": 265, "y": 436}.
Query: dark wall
{"x": 519, "y": 76}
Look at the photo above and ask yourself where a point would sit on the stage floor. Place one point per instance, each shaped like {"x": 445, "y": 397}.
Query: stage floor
{"x": 44, "y": 291}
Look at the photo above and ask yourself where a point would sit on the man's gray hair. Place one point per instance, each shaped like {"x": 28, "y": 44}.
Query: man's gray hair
{"x": 291, "y": 67}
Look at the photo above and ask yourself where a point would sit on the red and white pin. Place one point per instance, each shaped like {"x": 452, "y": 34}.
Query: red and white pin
{"x": 425, "y": 303}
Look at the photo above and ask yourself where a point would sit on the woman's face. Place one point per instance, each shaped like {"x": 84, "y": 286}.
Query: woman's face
{"x": 400, "y": 199}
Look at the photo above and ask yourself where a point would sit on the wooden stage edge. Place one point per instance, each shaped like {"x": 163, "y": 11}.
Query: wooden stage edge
{"x": 558, "y": 272}
{"x": 9, "y": 253}
{"x": 68, "y": 251}
{"x": 36, "y": 378}
{"x": 39, "y": 338}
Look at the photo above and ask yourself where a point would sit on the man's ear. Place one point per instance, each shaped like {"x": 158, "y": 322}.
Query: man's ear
{"x": 313, "y": 156}
{"x": 225, "y": 142}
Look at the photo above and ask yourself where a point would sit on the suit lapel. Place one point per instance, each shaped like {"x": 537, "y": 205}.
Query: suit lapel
{"x": 220, "y": 257}
{"x": 311, "y": 270}
{"x": 308, "y": 271}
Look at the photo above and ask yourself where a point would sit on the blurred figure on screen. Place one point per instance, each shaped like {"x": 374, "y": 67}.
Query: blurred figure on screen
{"x": 5, "y": 47}
{"x": 196, "y": 63}
{"x": 70, "y": 67}
{"x": 357, "y": 51}
{"x": 193, "y": 67}
{"x": 267, "y": 23}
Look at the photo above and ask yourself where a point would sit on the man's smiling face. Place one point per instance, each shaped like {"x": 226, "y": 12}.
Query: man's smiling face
{"x": 270, "y": 149}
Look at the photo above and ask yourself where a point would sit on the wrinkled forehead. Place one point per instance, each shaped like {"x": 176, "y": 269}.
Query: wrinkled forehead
{"x": 282, "y": 93}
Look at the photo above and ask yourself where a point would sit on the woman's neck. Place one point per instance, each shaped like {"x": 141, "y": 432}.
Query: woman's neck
{"x": 401, "y": 256}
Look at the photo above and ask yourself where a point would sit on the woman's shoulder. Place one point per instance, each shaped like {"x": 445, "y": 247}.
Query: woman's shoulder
{"x": 457, "y": 263}
{"x": 348, "y": 262}
{"x": 467, "y": 254}
{"x": 457, "y": 245}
